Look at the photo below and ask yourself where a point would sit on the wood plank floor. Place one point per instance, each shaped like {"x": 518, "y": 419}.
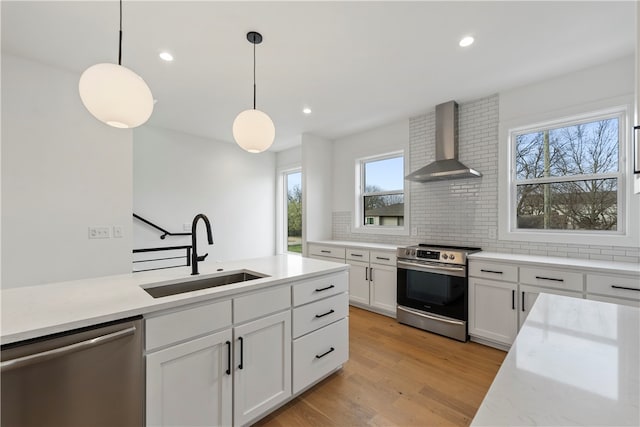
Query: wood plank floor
{"x": 396, "y": 376}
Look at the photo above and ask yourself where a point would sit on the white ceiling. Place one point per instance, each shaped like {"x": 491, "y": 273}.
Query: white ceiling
{"x": 356, "y": 64}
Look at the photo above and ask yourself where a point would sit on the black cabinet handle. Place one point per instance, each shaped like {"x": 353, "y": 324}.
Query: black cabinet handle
{"x": 241, "y": 352}
{"x": 320, "y": 356}
{"x": 513, "y": 300}
{"x": 383, "y": 258}
{"x": 522, "y": 300}
{"x": 366, "y": 273}
{"x": 490, "y": 271}
{"x": 371, "y": 273}
{"x": 324, "y": 289}
{"x": 358, "y": 255}
{"x": 549, "y": 278}
{"x": 325, "y": 314}
{"x": 624, "y": 287}
{"x": 228, "y": 371}
{"x": 325, "y": 252}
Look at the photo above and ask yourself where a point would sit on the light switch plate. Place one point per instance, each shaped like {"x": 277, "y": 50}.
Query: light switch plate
{"x": 99, "y": 233}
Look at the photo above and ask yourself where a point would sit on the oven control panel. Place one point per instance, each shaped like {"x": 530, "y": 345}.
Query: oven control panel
{"x": 448, "y": 256}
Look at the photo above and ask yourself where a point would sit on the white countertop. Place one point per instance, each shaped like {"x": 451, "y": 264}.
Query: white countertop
{"x": 364, "y": 245}
{"x": 547, "y": 261}
{"x": 33, "y": 311}
{"x": 574, "y": 362}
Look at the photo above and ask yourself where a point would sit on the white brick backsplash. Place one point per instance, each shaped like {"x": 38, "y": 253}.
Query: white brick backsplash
{"x": 460, "y": 212}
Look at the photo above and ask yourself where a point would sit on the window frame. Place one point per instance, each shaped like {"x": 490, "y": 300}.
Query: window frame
{"x": 282, "y": 230}
{"x": 358, "y": 218}
{"x": 627, "y": 232}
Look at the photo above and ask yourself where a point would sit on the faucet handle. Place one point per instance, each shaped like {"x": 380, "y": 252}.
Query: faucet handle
{"x": 202, "y": 257}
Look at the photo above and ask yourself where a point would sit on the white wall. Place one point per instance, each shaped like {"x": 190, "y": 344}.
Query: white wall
{"x": 388, "y": 138}
{"x": 62, "y": 171}
{"x": 317, "y": 188}
{"x": 176, "y": 176}
{"x": 289, "y": 158}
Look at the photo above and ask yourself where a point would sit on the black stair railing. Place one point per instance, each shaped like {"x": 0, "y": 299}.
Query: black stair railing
{"x": 164, "y": 234}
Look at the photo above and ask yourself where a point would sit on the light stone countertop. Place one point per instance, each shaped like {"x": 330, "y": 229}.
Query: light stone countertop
{"x": 34, "y": 311}
{"x": 574, "y": 362}
{"x": 363, "y": 245}
{"x": 547, "y": 261}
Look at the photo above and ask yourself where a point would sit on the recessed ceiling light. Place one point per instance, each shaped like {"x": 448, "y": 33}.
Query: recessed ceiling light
{"x": 466, "y": 41}
{"x": 306, "y": 110}
{"x": 166, "y": 56}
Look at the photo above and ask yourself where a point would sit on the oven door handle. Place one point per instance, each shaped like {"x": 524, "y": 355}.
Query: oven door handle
{"x": 457, "y": 271}
{"x": 432, "y": 317}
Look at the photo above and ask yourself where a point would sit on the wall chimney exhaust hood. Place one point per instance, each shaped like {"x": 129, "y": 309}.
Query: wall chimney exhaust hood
{"x": 446, "y": 166}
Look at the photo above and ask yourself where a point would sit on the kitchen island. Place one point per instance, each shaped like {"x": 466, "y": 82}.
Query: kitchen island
{"x": 574, "y": 362}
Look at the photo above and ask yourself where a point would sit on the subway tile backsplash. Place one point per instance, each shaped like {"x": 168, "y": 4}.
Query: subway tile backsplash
{"x": 464, "y": 212}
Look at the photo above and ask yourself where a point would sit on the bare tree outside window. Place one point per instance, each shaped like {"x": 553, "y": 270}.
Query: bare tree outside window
{"x": 567, "y": 177}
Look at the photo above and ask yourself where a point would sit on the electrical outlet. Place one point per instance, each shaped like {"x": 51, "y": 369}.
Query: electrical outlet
{"x": 99, "y": 232}
{"x": 117, "y": 231}
{"x": 414, "y": 231}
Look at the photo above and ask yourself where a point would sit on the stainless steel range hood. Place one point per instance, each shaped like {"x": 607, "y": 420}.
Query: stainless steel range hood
{"x": 446, "y": 166}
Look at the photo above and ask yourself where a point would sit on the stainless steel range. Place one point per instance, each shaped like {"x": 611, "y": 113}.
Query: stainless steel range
{"x": 433, "y": 288}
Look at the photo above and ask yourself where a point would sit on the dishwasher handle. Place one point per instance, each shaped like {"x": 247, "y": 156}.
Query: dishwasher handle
{"x": 31, "y": 359}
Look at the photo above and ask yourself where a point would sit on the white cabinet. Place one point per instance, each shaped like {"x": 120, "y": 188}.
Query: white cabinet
{"x": 528, "y": 295}
{"x": 189, "y": 380}
{"x": 372, "y": 280}
{"x": 191, "y": 383}
{"x": 326, "y": 252}
{"x": 493, "y": 311}
{"x": 262, "y": 368}
{"x": 618, "y": 289}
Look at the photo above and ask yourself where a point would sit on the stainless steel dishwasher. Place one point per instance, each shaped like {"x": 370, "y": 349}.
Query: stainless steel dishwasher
{"x": 87, "y": 377}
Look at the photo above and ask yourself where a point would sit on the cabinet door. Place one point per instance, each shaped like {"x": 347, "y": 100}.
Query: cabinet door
{"x": 262, "y": 367}
{"x": 188, "y": 384}
{"x": 493, "y": 311}
{"x": 383, "y": 287}
{"x": 528, "y": 296}
{"x": 359, "y": 282}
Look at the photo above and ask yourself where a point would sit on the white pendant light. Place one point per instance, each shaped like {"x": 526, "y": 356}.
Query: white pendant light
{"x": 253, "y": 129}
{"x": 114, "y": 94}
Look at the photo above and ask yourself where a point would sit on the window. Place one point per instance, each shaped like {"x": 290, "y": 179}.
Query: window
{"x": 293, "y": 209}
{"x": 567, "y": 176}
{"x": 381, "y": 195}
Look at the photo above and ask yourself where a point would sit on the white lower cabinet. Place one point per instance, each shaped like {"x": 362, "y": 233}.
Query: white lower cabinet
{"x": 190, "y": 383}
{"x": 383, "y": 287}
{"x": 493, "y": 313}
{"x": 262, "y": 366}
{"x": 359, "y": 282}
{"x": 528, "y": 295}
{"x": 373, "y": 280}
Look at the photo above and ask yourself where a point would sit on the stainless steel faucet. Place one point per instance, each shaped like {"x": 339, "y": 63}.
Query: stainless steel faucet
{"x": 194, "y": 251}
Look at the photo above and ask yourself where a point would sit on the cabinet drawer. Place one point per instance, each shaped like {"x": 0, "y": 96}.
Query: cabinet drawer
{"x": 261, "y": 303}
{"x": 321, "y": 287}
{"x": 615, "y": 286}
{"x": 320, "y": 313}
{"x": 493, "y": 270}
{"x": 614, "y": 300}
{"x": 386, "y": 258}
{"x": 317, "y": 354}
{"x": 327, "y": 251}
{"x": 357, "y": 254}
{"x": 185, "y": 324}
{"x": 551, "y": 278}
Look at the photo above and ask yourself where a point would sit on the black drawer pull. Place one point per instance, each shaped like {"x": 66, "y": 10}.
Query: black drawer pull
{"x": 491, "y": 271}
{"x": 228, "y": 371}
{"x": 324, "y": 354}
{"x": 513, "y": 300}
{"x": 325, "y": 251}
{"x": 553, "y": 279}
{"x": 523, "y": 301}
{"x": 383, "y": 258}
{"x": 240, "y": 366}
{"x": 359, "y": 255}
{"x": 324, "y": 289}
{"x": 624, "y": 287}
{"x": 325, "y": 314}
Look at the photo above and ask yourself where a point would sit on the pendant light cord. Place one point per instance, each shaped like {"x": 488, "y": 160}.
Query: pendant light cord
{"x": 254, "y": 75}
{"x": 120, "y": 41}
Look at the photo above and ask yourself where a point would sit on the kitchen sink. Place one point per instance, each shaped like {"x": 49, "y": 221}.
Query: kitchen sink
{"x": 206, "y": 283}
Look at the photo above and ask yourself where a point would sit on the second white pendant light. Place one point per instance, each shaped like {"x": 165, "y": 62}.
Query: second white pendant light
{"x": 253, "y": 129}
{"x": 114, "y": 94}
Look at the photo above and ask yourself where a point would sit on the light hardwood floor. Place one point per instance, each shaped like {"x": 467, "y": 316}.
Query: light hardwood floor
{"x": 396, "y": 376}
